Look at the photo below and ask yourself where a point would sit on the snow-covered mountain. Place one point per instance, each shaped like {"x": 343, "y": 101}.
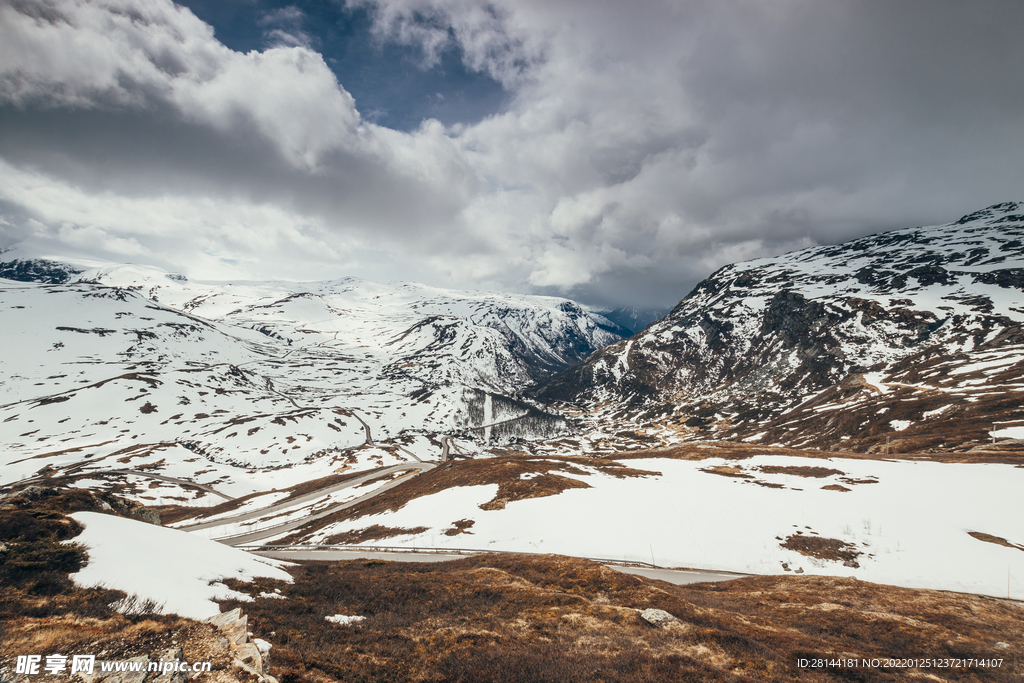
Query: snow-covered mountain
{"x": 494, "y": 342}
{"x": 901, "y": 334}
{"x": 131, "y": 365}
{"x": 14, "y": 265}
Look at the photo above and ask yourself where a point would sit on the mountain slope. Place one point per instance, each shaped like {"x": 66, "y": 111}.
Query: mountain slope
{"x": 251, "y": 385}
{"x": 14, "y": 265}
{"x": 493, "y": 342}
{"x": 931, "y": 311}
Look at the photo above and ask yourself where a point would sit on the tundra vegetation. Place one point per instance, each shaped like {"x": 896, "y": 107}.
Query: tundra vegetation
{"x": 496, "y": 617}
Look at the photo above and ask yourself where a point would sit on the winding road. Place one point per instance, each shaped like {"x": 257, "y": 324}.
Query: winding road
{"x": 262, "y": 534}
{"x": 676, "y": 576}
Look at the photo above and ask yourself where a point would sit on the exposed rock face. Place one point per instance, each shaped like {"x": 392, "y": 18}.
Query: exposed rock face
{"x": 248, "y": 656}
{"x": 37, "y": 270}
{"x": 759, "y": 338}
{"x": 22, "y": 496}
{"x": 658, "y": 617}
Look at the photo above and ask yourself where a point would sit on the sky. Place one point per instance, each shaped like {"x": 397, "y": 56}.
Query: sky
{"x": 614, "y": 153}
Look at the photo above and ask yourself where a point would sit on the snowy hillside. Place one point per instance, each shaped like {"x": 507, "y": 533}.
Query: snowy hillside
{"x": 762, "y": 514}
{"x": 812, "y": 347}
{"x": 129, "y": 366}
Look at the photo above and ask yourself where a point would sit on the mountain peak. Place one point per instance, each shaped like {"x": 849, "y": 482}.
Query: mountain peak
{"x": 760, "y": 338}
{"x": 997, "y": 213}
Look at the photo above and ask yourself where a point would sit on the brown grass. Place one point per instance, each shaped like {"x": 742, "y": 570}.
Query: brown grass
{"x": 916, "y": 449}
{"x": 117, "y": 638}
{"x": 823, "y": 548}
{"x": 727, "y": 471}
{"x": 370, "y": 533}
{"x": 803, "y": 471}
{"x": 508, "y": 618}
{"x": 549, "y": 618}
{"x": 998, "y": 540}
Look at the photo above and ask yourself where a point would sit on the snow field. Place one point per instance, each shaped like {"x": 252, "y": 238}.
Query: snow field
{"x": 911, "y": 526}
{"x": 182, "y": 571}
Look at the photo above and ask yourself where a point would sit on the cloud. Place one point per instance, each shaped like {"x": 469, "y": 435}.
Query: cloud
{"x": 146, "y": 88}
{"x": 678, "y": 136}
{"x": 283, "y": 28}
{"x": 641, "y": 146}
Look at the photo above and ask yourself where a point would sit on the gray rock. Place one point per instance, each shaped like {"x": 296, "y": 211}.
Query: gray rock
{"x": 658, "y": 617}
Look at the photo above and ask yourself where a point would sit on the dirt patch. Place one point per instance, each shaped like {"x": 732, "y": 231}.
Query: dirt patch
{"x": 836, "y": 487}
{"x": 823, "y": 548}
{"x": 735, "y": 450}
{"x": 802, "y": 471}
{"x": 727, "y": 471}
{"x": 918, "y": 451}
{"x": 460, "y": 527}
{"x": 537, "y": 487}
{"x": 850, "y": 480}
{"x": 372, "y": 533}
{"x": 998, "y": 540}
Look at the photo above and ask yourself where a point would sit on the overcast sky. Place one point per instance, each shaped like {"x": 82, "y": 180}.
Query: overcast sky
{"x": 613, "y": 152}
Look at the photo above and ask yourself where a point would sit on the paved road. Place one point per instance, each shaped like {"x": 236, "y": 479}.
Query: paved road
{"x": 257, "y": 536}
{"x": 676, "y": 576}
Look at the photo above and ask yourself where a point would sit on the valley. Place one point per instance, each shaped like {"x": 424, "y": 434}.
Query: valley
{"x": 852, "y": 412}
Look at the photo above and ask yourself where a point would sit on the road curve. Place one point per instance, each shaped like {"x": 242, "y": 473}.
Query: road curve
{"x": 676, "y": 576}
{"x": 256, "y": 536}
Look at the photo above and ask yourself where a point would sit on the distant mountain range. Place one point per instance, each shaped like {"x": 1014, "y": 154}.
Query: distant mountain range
{"x": 912, "y": 336}
{"x": 906, "y": 341}
{"x": 138, "y": 363}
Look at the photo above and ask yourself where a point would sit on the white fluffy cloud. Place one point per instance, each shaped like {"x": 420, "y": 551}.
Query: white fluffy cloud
{"x": 642, "y": 146}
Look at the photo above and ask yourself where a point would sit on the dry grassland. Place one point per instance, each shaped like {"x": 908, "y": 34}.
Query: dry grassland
{"x": 502, "y": 618}
{"x": 534, "y": 619}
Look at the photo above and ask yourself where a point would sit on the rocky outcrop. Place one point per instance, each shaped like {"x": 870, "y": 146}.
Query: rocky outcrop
{"x": 251, "y": 656}
{"x": 658, "y": 617}
{"x": 37, "y": 270}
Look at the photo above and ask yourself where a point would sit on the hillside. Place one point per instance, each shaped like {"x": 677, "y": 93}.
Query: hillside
{"x": 492, "y": 617}
{"x": 913, "y": 336}
{"x": 241, "y": 385}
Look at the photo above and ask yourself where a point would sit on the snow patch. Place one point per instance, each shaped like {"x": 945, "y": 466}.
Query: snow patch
{"x": 343, "y": 620}
{"x": 179, "y": 570}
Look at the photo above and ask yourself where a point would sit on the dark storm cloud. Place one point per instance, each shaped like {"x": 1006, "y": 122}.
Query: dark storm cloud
{"x": 639, "y": 146}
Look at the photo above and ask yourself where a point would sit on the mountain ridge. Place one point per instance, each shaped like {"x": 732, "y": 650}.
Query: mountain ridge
{"x": 761, "y": 337}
